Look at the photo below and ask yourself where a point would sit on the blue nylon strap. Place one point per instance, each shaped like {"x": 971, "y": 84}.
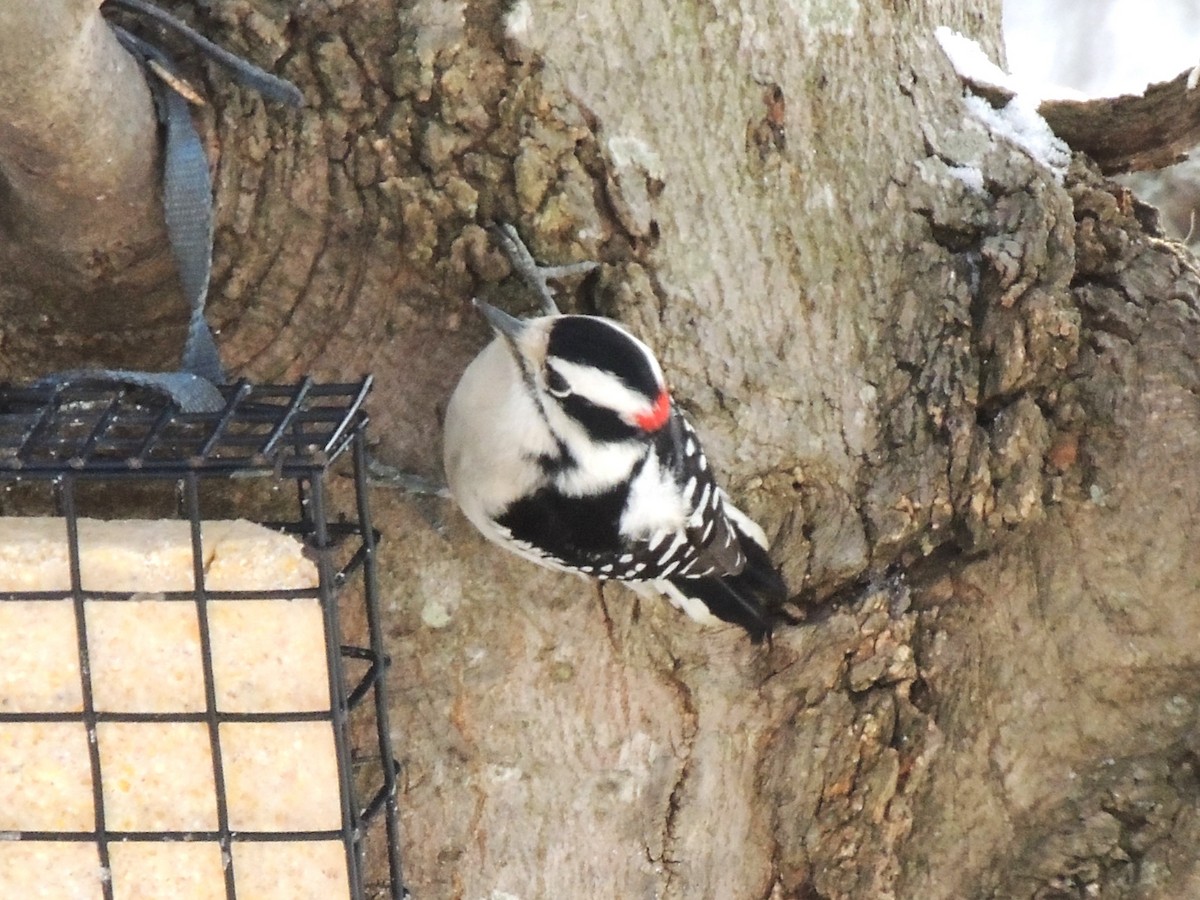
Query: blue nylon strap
{"x": 191, "y": 393}
{"x": 187, "y": 209}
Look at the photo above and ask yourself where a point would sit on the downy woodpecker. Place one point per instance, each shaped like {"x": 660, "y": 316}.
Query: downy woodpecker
{"x": 562, "y": 445}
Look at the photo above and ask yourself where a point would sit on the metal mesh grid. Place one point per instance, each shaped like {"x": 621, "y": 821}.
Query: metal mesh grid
{"x": 293, "y": 431}
{"x": 62, "y": 442}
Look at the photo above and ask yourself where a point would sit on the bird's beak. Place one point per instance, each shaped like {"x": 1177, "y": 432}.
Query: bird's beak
{"x": 509, "y": 326}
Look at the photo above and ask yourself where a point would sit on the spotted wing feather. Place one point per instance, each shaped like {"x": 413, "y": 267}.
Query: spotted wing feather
{"x": 718, "y": 557}
{"x": 584, "y": 534}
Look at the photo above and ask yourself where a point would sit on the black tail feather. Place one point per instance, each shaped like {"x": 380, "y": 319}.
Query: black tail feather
{"x": 752, "y": 599}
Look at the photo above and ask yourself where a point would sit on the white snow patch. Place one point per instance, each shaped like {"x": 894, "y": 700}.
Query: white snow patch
{"x": 1018, "y": 121}
{"x": 970, "y": 62}
{"x": 518, "y": 20}
{"x": 970, "y": 176}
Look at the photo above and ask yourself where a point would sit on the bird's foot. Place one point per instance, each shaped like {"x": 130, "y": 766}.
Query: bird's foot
{"x": 380, "y": 474}
{"x": 532, "y": 273}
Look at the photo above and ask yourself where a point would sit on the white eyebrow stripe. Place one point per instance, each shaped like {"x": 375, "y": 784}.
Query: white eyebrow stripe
{"x": 604, "y": 389}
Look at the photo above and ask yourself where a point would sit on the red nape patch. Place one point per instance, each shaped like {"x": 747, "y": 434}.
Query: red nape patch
{"x": 657, "y": 416}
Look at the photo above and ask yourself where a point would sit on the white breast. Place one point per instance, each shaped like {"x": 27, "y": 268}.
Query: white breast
{"x": 493, "y": 434}
{"x": 656, "y": 505}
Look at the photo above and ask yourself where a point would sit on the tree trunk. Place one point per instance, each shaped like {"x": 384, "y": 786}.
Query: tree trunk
{"x": 966, "y": 416}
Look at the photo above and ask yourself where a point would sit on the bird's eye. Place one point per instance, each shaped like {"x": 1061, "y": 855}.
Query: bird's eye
{"x": 556, "y": 384}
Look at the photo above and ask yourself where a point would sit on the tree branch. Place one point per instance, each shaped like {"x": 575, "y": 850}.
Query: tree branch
{"x": 78, "y": 147}
{"x": 1131, "y": 133}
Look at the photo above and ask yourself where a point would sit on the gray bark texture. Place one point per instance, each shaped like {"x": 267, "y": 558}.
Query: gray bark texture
{"x": 967, "y": 419}
{"x": 80, "y": 216}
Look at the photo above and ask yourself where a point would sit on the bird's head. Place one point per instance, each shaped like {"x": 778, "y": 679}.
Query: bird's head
{"x": 587, "y": 373}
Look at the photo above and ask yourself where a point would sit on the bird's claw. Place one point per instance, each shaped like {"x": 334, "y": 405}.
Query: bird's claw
{"x": 532, "y": 273}
{"x": 380, "y": 474}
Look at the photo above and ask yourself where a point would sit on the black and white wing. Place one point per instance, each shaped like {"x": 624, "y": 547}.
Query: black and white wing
{"x": 669, "y": 525}
{"x": 726, "y": 570}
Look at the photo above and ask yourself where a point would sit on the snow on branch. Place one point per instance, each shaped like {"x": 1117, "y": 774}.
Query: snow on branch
{"x": 995, "y": 100}
{"x": 1131, "y": 133}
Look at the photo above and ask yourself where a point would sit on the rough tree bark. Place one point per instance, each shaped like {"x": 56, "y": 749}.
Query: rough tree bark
{"x": 967, "y": 418}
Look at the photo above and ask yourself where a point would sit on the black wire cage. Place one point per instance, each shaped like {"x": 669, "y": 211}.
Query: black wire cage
{"x": 68, "y": 455}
